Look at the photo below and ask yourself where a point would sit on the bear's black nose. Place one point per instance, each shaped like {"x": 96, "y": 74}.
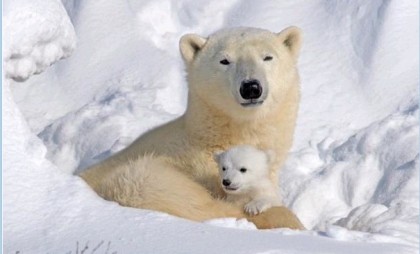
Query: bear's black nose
{"x": 226, "y": 182}
{"x": 250, "y": 89}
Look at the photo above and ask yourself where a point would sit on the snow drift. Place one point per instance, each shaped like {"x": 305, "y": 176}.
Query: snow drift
{"x": 352, "y": 176}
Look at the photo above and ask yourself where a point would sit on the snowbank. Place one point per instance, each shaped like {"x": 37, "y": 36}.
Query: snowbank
{"x": 44, "y": 34}
{"x": 352, "y": 176}
{"x": 367, "y": 183}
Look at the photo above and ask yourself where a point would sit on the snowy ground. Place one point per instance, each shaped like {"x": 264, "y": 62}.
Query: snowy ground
{"x": 352, "y": 176}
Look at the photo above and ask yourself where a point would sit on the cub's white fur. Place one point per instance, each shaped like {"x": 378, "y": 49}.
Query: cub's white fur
{"x": 245, "y": 177}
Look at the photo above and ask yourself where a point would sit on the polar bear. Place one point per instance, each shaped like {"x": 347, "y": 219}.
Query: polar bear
{"x": 244, "y": 177}
{"x": 243, "y": 88}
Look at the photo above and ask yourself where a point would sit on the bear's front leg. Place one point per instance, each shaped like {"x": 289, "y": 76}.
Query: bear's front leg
{"x": 276, "y": 217}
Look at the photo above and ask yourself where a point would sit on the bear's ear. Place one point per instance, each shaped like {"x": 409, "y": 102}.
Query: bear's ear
{"x": 291, "y": 37}
{"x": 190, "y": 45}
{"x": 271, "y": 156}
{"x": 216, "y": 156}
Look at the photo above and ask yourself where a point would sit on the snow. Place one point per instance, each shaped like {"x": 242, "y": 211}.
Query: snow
{"x": 352, "y": 176}
{"x": 28, "y": 50}
{"x": 369, "y": 182}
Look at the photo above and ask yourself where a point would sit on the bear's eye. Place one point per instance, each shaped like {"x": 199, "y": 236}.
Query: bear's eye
{"x": 243, "y": 170}
{"x": 225, "y": 62}
{"x": 224, "y": 169}
{"x": 268, "y": 58}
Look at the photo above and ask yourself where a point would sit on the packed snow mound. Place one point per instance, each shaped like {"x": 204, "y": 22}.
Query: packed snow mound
{"x": 367, "y": 183}
{"x": 353, "y": 172}
{"x": 231, "y": 223}
{"x": 44, "y": 35}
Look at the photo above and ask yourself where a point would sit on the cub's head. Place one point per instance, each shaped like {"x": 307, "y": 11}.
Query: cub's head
{"x": 242, "y": 167}
{"x": 242, "y": 71}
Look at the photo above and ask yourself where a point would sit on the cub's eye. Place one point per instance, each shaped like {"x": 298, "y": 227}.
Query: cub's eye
{"x": 225, "y": 62}
{"x": 243, "y": 170}
{"x": 268, "y": 58}
{"x": 224, "y": 169}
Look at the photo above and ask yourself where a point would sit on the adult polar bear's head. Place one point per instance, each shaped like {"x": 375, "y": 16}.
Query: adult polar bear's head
{"x": 243, "y": 72}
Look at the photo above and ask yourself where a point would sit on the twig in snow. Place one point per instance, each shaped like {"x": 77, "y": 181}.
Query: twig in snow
{"x": 97, "y": 247}
{"x": 85, "y": 248}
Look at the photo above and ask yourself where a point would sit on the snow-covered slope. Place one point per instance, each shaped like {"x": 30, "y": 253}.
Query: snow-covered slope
{"x": 352, "y": 176}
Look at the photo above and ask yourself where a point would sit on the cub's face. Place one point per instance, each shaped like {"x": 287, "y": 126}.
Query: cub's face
{"x": 242, "y": 168}
{"x": 242, "y": 70}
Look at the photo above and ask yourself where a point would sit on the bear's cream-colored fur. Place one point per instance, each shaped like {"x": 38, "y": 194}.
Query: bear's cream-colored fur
{"x": 171, "y": 167}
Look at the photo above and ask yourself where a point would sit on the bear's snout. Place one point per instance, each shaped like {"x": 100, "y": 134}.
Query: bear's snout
{"x": 250, "y": 89}
{"x": 226, "y": 182}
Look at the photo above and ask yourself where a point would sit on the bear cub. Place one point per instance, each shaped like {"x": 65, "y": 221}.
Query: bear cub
{"x": 244, "y": 177}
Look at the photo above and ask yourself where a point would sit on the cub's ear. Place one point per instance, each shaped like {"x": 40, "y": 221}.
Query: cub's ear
{"x": 190, "y": 45}
{"x": 216, "y": 156}
{"x": 271, "y": 155}
{"x": 291, "y": 37}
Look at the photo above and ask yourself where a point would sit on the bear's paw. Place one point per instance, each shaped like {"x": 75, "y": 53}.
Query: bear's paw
{"x": 257, "y": 206}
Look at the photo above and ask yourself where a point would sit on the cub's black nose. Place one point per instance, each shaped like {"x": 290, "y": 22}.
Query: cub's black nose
{"x": 250, "y": 89}
{"x": 226, "y": 182}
